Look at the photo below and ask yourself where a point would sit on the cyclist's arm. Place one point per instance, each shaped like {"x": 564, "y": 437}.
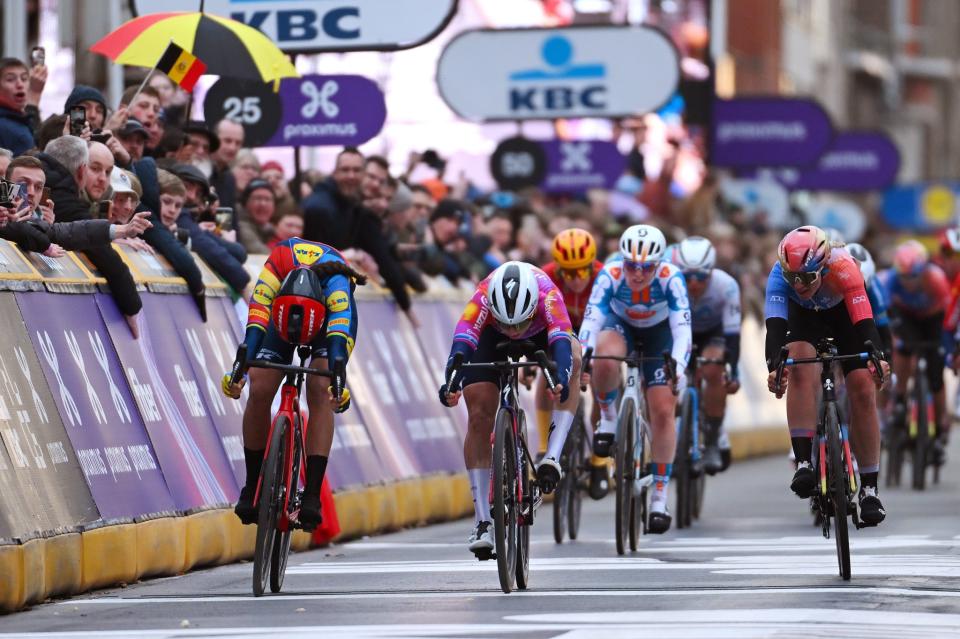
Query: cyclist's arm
{"x": 879, "y": 305}
{"x": 466, "y": 336}
{"x": 597, "y": 308}
{"x": 732, "y": 319}
{"x": 341, "y": 319}
{"x": 858, "y": 307}
{"x": 559, "y": 334}
{"x": 679, "y": 315}
{"x": 775, "y": 312}
{"x": 265, "y": 290}
{"x": 938, "y": 288}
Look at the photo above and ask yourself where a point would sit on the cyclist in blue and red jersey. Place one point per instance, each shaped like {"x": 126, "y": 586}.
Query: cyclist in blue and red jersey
{"x": 311, "y": 281}
{"x": 919, "y": 293}
{"x": 816, "y": 291}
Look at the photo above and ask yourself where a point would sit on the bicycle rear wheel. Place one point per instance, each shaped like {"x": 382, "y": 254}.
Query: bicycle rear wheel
{"x": 505, "y": 498}
{"x": 624, "y": 474}
{"x": 268, "y": 508}
{"x": 922, "y": 441}
{"x": 526, "y": 490}
{"x": 281, "y": 541}
{"x": 698, "y": 486}
{"x": 837, "y": 487}
{"x": 681, "y": 462}
{"x": 578, "y": 465}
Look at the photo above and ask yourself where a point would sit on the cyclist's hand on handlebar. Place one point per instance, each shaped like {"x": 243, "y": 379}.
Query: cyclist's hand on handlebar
{"x": 556, "y": 394}
{"x": 449, "y": 399}
{"x": 885, "y": 369}
{"x": 784, "y": 381}
{"x": 232, "y": 390}
{"x": 343, "y": 404}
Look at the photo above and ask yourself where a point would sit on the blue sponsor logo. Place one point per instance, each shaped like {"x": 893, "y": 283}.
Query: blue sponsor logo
{"x": 304, "y": 25}
{"x": 562, "y": 84}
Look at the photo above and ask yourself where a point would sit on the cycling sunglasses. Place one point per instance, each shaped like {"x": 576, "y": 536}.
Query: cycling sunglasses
{"x": 804, "y": 279}
{"x": 582, "y": 273}
{"x": 645, "y": 267}
{"x": 697, "y": 275}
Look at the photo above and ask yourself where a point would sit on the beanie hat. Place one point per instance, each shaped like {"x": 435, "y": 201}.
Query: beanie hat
{"x": 82, "y": 92}
{"x": 255, "y": 185}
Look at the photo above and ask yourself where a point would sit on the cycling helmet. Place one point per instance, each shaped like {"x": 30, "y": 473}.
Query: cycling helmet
{"x": 298, "y": 310}
{"x": 513, "y": 294}
{"x": 910, "y": 258}
{"x": 804, "y": 250}
{"x": 642, "y": 243}
{"x": 950, "y": 241}
{"x": 695, "y": 254}
{"x": 862, "y": 255}
{"x": 574, "y": 248}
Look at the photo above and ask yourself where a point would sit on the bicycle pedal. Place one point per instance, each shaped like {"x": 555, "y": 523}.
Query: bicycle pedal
{"x": 485, "y": 555}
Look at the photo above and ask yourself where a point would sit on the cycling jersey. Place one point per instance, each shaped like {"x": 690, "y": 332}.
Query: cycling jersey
{"x": 718, "y": 309}
{"x": 576, "y": 302}
{"x": 665, "y": 299}
{"x": 925, "y": 300}
{"x": 549, "y": 318}
{"x": 341, "y": 323}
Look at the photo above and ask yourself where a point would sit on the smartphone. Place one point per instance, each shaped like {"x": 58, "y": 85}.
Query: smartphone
{"x": 103, "y": 209}
{"x": 224, "y": 215}
{"x": 22, "y": 194}
{"x": 78, "y": 119}
{"x": 101, "y": 137}
{"x": 38, "y": 56}
{"x": 45, "y": 195}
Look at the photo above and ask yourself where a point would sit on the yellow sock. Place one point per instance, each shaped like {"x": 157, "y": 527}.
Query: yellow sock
{"x": 543, "y": 425}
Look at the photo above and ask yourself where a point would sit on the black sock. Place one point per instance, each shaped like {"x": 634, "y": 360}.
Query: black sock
{"x": 802, "y": 448}
{"x": 316, "y": 468}
{"x": 869, "y": 479}
{"x": 712, "y": 434}
{"x": 254, "y": 461}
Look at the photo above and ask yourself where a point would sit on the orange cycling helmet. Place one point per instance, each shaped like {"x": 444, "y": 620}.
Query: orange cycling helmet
{"x": 574, "y": 248}
{"x": 298, "y": 310}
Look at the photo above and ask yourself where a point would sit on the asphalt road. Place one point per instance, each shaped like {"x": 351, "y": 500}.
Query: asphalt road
{"x": 753, "y": 566}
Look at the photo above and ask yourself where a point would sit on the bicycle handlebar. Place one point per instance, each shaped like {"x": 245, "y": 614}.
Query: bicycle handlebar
{"x": 785, "y": 360}
{"x": 587, "y": 366}
{"x": 540, "y": 361}
{"x": 239, "y": 365}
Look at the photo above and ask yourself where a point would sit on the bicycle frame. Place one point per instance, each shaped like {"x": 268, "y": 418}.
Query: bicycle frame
{"x": 828, "y": 388}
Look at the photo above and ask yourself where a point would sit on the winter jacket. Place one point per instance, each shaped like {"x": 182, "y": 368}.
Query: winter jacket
{"x": 222, "y": 256}
{"x": 16, "y": 129}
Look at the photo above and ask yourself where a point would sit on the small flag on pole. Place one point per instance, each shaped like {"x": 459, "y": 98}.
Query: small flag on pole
{"x": 181, "y": 66}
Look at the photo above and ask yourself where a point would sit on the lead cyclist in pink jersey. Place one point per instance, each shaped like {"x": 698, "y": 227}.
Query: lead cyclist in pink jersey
{"x": 517, "y": 301}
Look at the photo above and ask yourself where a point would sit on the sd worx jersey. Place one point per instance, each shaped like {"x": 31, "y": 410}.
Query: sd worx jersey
{"x": 287, "y": 256}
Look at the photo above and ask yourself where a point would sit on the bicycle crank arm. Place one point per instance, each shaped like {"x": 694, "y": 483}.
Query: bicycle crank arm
{"x": 644, "y": 482}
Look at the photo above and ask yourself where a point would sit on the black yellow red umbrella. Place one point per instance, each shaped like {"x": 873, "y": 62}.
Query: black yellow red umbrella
{"x": 227, "y": 47}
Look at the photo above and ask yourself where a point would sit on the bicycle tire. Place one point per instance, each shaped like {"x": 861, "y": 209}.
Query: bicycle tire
{"x": 526, "y": 490}
{"x": 641, "y": 510}
{"x": 922, "y": 441}
{"x": 579, "y": 461}
{"x": 268, "y": 511}
{"x": 681, "y": 462}
{"x": 699, "y": 484}
{"x": 624, "y": 474}
{"x": 281, "y": 541}
{"x": 895, "y": 444}
{"x": 837, "y": 487}
{"x": 504, "y": 499}
{"x": 560, "y": 501}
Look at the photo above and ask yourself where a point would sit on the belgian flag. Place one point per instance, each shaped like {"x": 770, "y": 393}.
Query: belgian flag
{"x": 181, "y": 66}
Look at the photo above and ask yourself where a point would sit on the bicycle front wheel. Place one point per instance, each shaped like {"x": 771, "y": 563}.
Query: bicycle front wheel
{"x": 505, "y": 504}
{"x": 837, "y": 487}
{"x": 922, "y": 441}
{"x": 578, "y": 464}
{"x": 281, "y": 540}
{"x": 681, "y": 462}
{"x": 271, "y": 478}
{"x": 624, "y": 474}
{"x": 526, "y": 506}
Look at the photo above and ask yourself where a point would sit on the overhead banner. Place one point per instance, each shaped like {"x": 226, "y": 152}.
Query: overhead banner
{"x": 99, "y": 412}
{"x": 172, "y": 405}
{"x": 578, "y": 166}
{"x": 309, "y": 26}
{"x": 41, "y": 484}
{"x": 856, "y": 161}
{"x": 922, "y": 207}
{"x": 544, "y": 74}
{"x": 771, "y": 132}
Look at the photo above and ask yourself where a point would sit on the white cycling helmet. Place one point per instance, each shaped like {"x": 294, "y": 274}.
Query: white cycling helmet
{"x": 642, "y": 243}
{"x": 862, "y": 255}
{"x": 695, "y": 254}
{"x": 513, "y": 294}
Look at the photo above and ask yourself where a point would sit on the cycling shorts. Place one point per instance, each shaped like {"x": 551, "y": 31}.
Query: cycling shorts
{"x": 487, "y": 352}
{"x": 654, "y": 340}
{"x": 808, "y": 325}
{"x": 922, "y": 329}
{"x": 712, "y": 337}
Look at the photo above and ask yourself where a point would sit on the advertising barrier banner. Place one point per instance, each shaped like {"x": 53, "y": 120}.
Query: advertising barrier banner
{"x": 99, "y": 413}
{"x": 157, "y": 368}
{"x": 769, "y": 132}
{"x": 41, "y": 484}
{"x": 578, "y": 166}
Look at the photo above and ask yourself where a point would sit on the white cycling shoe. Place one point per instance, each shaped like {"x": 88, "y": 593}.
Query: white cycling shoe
{"x": 481, "y": 539}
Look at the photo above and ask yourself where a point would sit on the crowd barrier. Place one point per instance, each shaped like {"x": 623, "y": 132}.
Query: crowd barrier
{"x": 119, "y": 457}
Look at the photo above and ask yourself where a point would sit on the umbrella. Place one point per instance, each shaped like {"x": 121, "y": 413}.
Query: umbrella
{"x": 228, "y": 48}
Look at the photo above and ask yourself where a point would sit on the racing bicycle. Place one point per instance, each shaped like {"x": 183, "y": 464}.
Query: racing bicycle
{"x": 283, "y": 474}
{"x": 916, "y": 436}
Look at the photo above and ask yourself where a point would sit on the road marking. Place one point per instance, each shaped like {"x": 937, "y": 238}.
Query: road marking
{"x": 837, "y": 591}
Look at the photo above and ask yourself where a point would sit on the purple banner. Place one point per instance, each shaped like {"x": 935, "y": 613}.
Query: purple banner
{"x": 575, "y": 167}
{"x": 187, "y": 445}
{"x": 437, "y": 321}
{"x": 404, "y": 392}
{"x": 769, "y": 132}
{"x": 329, "y": 110}
{"x": 95, "y": 403}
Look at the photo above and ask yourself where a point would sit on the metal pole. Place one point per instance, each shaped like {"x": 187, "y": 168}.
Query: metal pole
{"x": 15, "y": 29}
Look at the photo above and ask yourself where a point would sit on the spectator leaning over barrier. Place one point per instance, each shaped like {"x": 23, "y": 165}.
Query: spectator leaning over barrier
{"x": 257, "y": 208}
{"x": 230, "y": 136}
{"x": 20, "y": 91}
{"x": 37, "y": 217}
{"x": 125, "y": 194}
{"x": 333, "y": 215}
{"x": 272, "y": 172}
{"x": 288, "y": 225}
{"x": 447, "y": 253}
{"x": 64, "y": 163}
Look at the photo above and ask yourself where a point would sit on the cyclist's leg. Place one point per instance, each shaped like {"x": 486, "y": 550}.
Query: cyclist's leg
{"x": 562, "y": 419}
{"x": 714, "y": 403}
{"x": 543, "y": 406}
{"x": 936, "y": 363}
{"x": 806, "y": 328}
{"x": 661, "y": 409}
{"x": 614, "y": 340}
{"x": 903, "y": 364}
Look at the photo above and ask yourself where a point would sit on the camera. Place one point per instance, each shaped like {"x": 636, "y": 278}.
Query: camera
{"x": 78, "y": 119}
{"x": 224, "y": 217}
{"x": 38, "y": 56}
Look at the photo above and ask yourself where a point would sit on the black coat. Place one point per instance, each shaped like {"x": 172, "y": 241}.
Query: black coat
{"x": 334, "y": 219}
{"x": 70, "y": 207}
